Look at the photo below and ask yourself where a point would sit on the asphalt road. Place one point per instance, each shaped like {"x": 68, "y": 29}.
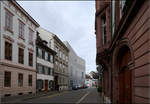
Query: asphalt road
{"x": 88, "y": 95}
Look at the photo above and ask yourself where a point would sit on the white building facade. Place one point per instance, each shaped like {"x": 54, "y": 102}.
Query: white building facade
{"x": 76, "y": 68}
{"x": 17, "y": 50}
{"x": 45, "y": 65}
{"x": 61, "y": 59}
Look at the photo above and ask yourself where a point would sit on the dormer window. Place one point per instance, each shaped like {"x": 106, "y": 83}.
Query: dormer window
{"x": 103, "y": 19}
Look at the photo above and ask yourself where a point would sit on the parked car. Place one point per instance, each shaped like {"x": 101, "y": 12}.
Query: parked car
{"x": 75, "y": 88}
{"x": 85, "y": 86}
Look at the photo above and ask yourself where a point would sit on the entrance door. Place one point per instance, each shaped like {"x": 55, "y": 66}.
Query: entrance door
{"x": 128, "y": 87}
{"x": 56, "y": 82}
{"x": 125, "y": 91}
{"x": 46, "y": 85}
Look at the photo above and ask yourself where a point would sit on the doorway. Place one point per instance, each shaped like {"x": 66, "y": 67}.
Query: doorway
{"x": 46, "y": 85}
{"x": 125, "y": 76}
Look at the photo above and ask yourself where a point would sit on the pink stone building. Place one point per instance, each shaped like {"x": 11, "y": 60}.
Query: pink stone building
{"x": 122, "y": 37}
{"x": 17, "y": 50}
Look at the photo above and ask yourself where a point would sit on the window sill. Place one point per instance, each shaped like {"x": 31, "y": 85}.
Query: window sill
{"x": 21, "y": 63}
{"x": 7, "y": 87}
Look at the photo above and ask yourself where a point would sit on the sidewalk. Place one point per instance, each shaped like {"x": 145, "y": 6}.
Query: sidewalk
{"x": 19, "y": 98}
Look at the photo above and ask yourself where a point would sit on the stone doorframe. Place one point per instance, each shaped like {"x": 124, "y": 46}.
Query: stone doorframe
{"x": 115, "y": 70}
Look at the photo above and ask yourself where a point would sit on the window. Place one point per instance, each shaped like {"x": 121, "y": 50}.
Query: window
{"x": 20, "y": 80}
{"x": 82, "y": 75}
{"x": 9, "y": 21}
{"x": 51, "y": 58}
{"x": 30, "y": 80}
{"x": 39, "y": 68}
{"x": 30, "y": 59}
{"x": 30, "y": 36}
{"x": 113, "y": 16}
{"x": 39, "y": 52}
{"x": 46, "y": 70}
{"x": 43, "y": 70}
{"x": 122, "y": 4}
{"x": 71, "y": 70}
{"x": 8, "y": 51}
{"x": 49, "y": 71}
{"x": 43, "y": 54}
{"x": 104, "y": 29}
{"x": 7, "y": 79}
{"x": 21, "y": 29}
{"x": 50, "y": 44}
{"x": 21, "y": 56}
{"x": 46, "y": 56}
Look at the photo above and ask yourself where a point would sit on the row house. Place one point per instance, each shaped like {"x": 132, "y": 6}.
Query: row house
{"x": 17, "y": 50}
{"x": 45, "y": 65}
{"x": 61, "y": 58}
{"x": 122, "y": 40}
{"x": 76, "y": 68}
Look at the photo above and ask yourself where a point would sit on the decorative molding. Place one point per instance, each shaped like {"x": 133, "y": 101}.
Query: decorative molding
{"x": 21, "y": 45}
{"x": 17, "y": 65}
{"x": 8, "y": 38}
{"x": 9, "y": 11}
{"x": 30, "y": 50}
{"x": 21, "y": 21}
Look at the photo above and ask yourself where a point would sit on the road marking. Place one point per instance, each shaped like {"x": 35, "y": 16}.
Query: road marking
{"x": 82, "y": 98}
{"x": 58, "y": 94}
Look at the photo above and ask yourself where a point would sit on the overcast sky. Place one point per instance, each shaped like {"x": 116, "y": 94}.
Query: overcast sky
{"x": 71, "y": 21}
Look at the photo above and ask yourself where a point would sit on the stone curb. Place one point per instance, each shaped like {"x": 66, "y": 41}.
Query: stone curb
{"x": 41, "y": 95}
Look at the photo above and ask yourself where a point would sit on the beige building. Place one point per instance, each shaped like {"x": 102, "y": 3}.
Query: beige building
{"x": 17, "y": 50}
{"x": 61, "y": 74}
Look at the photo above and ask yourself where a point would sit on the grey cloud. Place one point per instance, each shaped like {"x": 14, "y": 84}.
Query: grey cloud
{"x": 70, "y": 20}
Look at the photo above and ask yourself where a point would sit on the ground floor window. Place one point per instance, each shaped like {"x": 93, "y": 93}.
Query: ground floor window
{"x": 40, "y": 84}
{"x": 7, "y": 79}
{"x": 20, "y": 80}
{"x": 30, "y": 80}
{"x": 50, "y": 84}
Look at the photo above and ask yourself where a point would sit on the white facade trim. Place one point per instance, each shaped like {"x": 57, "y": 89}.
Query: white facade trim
{"x": 45, "y": 77}
{"x": 45, "y": 63}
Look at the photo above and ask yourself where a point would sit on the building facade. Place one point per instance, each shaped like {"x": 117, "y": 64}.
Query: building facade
{"x": 17, "y": 50}
{"x": 122, "y": 37}
{"x": 61, "y": 59}
{"x": 76, "y": 68}
{"x": 45, "y": 65}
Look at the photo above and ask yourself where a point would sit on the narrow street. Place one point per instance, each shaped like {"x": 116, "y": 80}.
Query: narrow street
{"x": 89, "y": 95}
